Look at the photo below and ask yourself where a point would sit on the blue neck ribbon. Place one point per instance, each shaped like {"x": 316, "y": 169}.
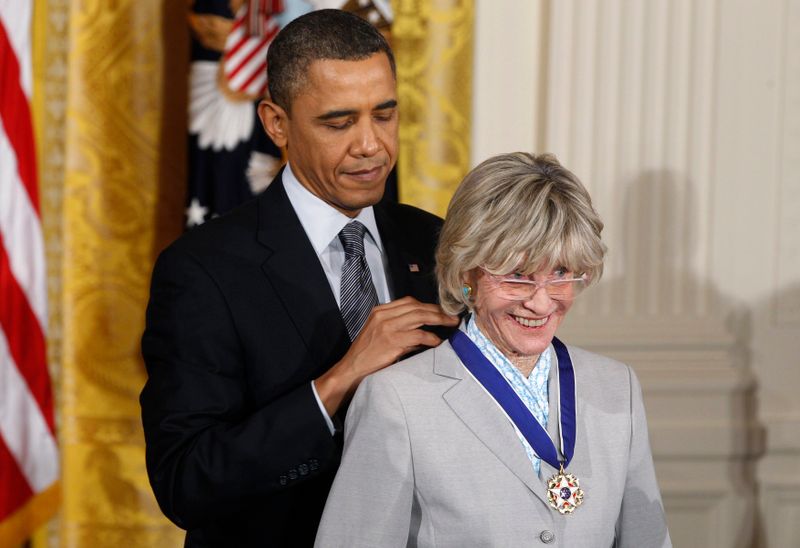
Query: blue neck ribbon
{"x": 494, "y": 383}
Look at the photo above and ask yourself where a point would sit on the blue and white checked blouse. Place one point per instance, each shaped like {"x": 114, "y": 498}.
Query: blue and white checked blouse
{"x": 532, "y": 390}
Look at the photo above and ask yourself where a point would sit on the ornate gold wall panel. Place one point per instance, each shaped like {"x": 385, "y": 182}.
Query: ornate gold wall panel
{"x": 50, "y": 43}
{"x": 432, "y": 40}
{"x": 49, "y": 103}
{"x": 123, "y": 194}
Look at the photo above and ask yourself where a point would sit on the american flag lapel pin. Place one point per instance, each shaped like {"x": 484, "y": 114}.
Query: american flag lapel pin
{"x": 413, "y": 267}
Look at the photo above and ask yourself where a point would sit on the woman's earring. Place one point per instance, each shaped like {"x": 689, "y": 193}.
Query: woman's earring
{"x": 466, "y": 289}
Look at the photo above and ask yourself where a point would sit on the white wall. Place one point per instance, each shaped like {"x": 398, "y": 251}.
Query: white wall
{"x": 683, "y": 119}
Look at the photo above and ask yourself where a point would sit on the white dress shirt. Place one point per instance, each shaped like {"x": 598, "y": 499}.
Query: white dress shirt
{"x": 322, "y": 224}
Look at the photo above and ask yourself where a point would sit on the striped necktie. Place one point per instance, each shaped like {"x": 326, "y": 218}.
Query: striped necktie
{"x": 357, "y": 294}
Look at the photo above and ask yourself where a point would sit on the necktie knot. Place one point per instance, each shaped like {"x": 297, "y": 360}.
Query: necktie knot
{"x": 352, "y": 238}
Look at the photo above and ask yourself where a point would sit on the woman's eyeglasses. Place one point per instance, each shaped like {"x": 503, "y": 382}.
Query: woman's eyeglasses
{"x": 560, "y": 285}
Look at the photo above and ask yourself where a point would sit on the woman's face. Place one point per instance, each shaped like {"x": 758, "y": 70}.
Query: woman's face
{"x": 518, "y": 328}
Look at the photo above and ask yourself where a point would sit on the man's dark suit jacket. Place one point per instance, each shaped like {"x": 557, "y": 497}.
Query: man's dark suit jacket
{"x": 241, "y": 318}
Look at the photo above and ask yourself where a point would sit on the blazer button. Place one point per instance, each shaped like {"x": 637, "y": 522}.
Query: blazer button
{"x": 313, "y": 464}
{"x": 303, "y": 469}
{"x": 292, "y": 474}
{"x": 282, "y": 480}
{"x": 547, "y": 536}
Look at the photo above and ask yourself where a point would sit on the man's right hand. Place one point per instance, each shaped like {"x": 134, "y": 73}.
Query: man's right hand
{"x": 391, "y": 331}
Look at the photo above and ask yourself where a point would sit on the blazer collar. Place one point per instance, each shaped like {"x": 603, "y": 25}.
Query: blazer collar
{"x": 479, "y": 412}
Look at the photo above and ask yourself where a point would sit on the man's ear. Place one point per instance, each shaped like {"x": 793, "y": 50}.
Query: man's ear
{"x": 275, "y": 122}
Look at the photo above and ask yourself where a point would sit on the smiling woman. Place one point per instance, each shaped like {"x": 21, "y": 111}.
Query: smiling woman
{"x": 504, "y": 434}
{"x": 517, "y": 224}
{"x": 520, "y": 315}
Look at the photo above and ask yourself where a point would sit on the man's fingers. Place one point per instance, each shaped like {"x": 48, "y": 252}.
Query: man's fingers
{"x": 405, "y": 342}
{"x": 417, "y": 318}
{"x": 412, "y": 314}
{"x": 404, "y": 301}
{"x": 391, "y": 331}
{"x": 422, "y": 338}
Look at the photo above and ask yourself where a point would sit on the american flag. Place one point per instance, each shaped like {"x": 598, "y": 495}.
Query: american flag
{"x": 29, "y": 457}
{"x": 230, "y": 157}
{"x": 245, "y": 57}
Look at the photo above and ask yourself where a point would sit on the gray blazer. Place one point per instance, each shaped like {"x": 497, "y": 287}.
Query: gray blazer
{"x": 430, "y": 460}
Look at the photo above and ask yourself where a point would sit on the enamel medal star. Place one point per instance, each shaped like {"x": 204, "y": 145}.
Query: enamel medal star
{"x": 563, "y": 492}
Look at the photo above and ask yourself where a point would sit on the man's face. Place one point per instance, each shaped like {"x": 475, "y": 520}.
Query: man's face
{"x": 341, "y": 133}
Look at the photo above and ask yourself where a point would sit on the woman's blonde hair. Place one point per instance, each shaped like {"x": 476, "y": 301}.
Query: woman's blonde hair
{"x": 517, "y": 212}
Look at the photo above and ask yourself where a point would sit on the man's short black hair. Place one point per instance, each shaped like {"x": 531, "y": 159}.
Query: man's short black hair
{"x": 320, "y": 34}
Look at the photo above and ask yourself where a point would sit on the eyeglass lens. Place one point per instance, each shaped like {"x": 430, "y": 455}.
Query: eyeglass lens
{"x": 556, "y": 289}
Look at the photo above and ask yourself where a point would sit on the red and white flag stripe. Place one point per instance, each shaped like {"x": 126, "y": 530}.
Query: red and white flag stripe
{"x": 29, "y": 459}
{"x": 245, "y": 58}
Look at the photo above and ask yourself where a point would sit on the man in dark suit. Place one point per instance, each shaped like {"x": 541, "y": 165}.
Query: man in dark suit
{"x": 248, "y": 356}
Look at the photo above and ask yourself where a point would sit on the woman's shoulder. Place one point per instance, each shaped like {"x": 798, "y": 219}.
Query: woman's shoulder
{"x": 588, "y": 358}
{"x": 597, "y": 368}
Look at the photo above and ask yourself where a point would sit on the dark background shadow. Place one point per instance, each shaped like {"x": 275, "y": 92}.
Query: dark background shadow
{"x": 773, "y": 490}
{"x": 172, "y": 168}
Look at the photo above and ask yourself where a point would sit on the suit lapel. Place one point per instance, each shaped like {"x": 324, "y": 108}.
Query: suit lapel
{"x": 478, "y": 411}
{"x": 409, "y": 273}
{"x": 293, "y": 269}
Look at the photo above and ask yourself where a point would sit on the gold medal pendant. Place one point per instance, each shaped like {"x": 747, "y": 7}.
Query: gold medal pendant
{"x": 563, "y": 492}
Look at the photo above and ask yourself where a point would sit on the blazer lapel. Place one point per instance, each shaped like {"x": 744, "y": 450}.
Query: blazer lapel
{"x": 293, "y": 269}
{"x": 553, "y": 418}
{"x": 481, "y": 415}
